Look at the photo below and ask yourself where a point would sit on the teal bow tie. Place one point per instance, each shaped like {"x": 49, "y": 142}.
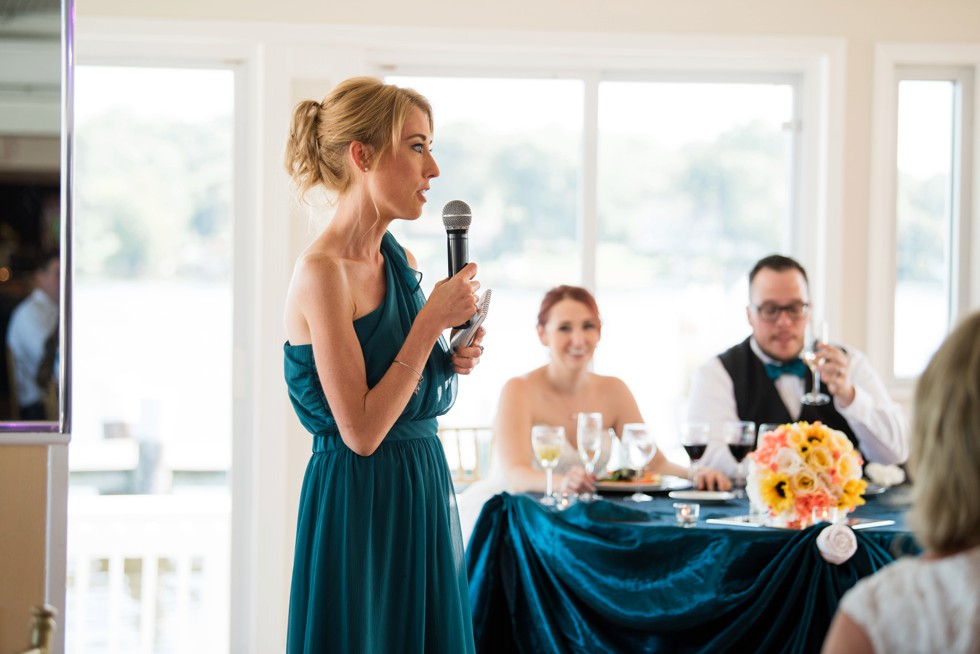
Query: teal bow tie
{"x": 794, "y": 367}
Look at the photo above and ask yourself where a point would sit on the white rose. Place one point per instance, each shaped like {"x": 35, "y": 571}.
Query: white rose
{"x": 837, "y": 543}
{"x": 788, "y": 460}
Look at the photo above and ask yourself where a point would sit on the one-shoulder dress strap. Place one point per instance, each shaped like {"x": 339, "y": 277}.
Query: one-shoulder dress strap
{"x": 440, "y": 385}
{"x": 411, "y": 278}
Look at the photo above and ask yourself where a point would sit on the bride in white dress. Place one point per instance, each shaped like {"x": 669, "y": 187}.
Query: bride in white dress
{"x": 554, "y": 394}
{"x": 931, "y": 603}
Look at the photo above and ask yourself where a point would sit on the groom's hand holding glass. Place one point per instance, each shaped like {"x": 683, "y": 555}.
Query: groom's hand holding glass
{"x": 833, "y": 369}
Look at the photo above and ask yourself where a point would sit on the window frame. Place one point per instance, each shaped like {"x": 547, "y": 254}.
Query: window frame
{"x": 894, "y": 64}
{"x": 107, "y": 48}
{"x": 813, "y": 70}
{"x": 814, "y": 211}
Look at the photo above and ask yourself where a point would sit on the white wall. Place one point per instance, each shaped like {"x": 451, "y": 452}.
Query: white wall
{"x": 860, "y": 20}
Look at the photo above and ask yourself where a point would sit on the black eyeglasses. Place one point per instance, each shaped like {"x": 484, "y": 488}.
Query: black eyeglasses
{"x": 769, "y": 311}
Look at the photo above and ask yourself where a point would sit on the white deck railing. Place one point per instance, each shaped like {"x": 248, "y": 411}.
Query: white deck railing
{"x": 148, "y": 574}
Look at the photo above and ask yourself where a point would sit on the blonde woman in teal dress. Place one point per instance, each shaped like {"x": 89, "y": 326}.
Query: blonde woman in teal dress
{"x": 378, "y": 564}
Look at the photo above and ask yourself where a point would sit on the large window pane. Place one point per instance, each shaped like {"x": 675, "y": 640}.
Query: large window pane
{"x": 511, "y": 149}
{"x": 149, "y": 502}
{"x": 924, "y": 214}
{"x": 694, "y": 186}
{"x": 695, "y": 183}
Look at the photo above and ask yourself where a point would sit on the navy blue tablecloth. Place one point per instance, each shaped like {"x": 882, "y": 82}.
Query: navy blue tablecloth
{"x": 613, "y": 576}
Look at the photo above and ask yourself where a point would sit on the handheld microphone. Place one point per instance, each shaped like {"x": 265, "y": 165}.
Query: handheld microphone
{"x": 456, "y": 217}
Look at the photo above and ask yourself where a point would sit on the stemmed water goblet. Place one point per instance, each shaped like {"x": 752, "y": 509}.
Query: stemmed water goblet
{"x": 640, "y": 448}
{"x": 589, "y": 438}
{"x": 546, "y": 441}
{"x": 694, "y": 439}
{"x": 740, "y": 438}
{"x": 767, "y": 427}
{"x": 811, "y": 340}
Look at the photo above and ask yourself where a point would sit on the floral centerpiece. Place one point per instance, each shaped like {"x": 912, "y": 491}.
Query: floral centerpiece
{"x": 801, "y": 466}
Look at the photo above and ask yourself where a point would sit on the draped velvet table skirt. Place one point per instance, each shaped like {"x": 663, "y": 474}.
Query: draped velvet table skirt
{"x": 608, "y": 577}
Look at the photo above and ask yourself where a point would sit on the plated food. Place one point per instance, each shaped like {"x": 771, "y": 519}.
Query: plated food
{"x": 623, "y": 480}
{"x": 629, "y": 474}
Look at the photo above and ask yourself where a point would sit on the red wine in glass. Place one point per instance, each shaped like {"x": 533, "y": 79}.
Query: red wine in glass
{"x": 740, "y": 438}
{"x": 696, "y": 451}
{"x": 739, "y": 450}
{"x": 694, "y": 439}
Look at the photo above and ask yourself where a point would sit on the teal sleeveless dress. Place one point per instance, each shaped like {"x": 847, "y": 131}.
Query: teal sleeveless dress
{"x": 379, "y": 564}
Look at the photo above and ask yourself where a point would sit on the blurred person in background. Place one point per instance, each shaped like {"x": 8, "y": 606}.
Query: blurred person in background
{"x": 931, "y": 603}
{"x": 32, "y": 338}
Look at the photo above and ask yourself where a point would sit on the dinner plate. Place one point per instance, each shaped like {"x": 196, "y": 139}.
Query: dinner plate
{"x": 702, "y": 495}
{"x": 658, "y": 484}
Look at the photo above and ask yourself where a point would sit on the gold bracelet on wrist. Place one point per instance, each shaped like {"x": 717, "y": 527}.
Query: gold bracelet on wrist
{"x": 419, "y": 384}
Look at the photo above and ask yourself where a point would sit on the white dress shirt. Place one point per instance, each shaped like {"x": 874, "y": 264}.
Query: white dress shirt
{"x": 31, "y": 322}
{"x": 878, "y": 421}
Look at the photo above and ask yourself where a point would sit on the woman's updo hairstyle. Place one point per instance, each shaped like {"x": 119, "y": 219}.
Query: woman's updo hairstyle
{"x": 363, "y": 109}
{"x": 559, "y": 293}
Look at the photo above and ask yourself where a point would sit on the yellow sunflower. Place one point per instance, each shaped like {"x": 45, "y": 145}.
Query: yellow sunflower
{"x": 851, "y": 497}
{"x": 776, "y": 492}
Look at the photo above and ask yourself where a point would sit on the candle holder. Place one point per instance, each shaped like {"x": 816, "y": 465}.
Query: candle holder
{"x": 686, "y": 514}
{"x": 824, "y": 514}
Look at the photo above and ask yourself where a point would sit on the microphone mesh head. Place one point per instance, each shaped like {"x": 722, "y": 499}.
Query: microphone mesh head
{"x": 456, "y": 215}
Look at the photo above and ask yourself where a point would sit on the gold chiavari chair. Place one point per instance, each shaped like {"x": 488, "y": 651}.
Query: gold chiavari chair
{"x": 467, "y": 452}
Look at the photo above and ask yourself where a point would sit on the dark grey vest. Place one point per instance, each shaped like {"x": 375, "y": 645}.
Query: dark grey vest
{"x": 757, "y": 399}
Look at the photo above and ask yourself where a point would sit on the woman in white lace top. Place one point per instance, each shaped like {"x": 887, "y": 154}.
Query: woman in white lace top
{"x": 931, "y": 603}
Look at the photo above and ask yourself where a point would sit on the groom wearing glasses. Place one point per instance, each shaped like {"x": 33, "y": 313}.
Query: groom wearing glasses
{"x": 763, "y": 378}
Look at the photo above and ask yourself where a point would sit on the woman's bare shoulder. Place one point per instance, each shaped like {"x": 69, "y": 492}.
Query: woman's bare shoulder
{"x": 317, "y": 260}
{"x": 610, "y": 384}
{"x": 522, "y": 385}
{"x": 320, "y": 278}
{"x": 318, "y": 269}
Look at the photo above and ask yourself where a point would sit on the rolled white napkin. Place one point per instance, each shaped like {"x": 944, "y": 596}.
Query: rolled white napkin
{"x": 618, "y": 458}
{"x": 884, "y": 475}
{"x": 837, "y": 543}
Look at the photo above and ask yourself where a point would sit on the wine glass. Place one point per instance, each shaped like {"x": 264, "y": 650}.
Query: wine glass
{"x": 640, "y": 448}
{"x": 546, "y": 440}
{"x": 694, "y": 438}
{"x": 740, "y": 437}
{"x": 813, "y": 360}
{"x": 767, "y": 427}
{"x": 589, "y": 447}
